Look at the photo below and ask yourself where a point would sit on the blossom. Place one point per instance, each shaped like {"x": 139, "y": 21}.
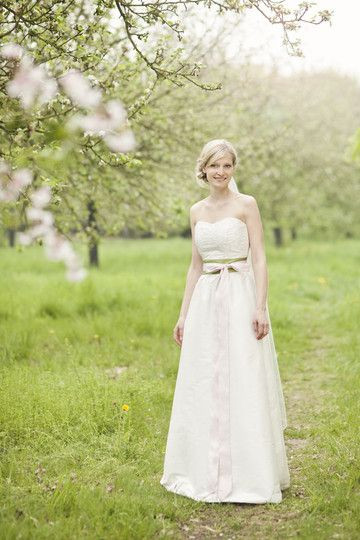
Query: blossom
{"x": 125, "y": 407}
{"x": 41, "y": 197}
{"x": 122, "y": 142}
{"x": 77, "y": 87}
{"x": 11, "y": 51}
{"x": 24, "y": 238}
{"x": 57, "y": 247}
{"x": 37, "y": 214}
{"x": 18, "y": 180}
{"x": 107, "y": 121}
{"x": 76, "y": 274}
{"x": 31, "y": 84}
{"x": 109, "y": 116}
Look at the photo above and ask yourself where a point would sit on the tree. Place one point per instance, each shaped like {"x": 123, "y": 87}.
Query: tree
{"x": 136, "y": 58}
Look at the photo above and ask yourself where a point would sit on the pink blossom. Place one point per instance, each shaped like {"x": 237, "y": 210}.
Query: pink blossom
{"x": 37, "y": 214}
{"x": 19, "y": 179}
{"x": 122, "y": 142}
{"x": 22, "y": 178}
{"x": 24, "y": 238}
{"x": 76, "y": 274}
{"x": 5, "y": 168}
{"x": 41, "y": 197}
{"x": 12, "y": 51}
{"x": 58, "y": 248}
{"x": 107, "y": 117}
{"x": 79, "y": 90}
{"x": 31, "y": 84}
{"x": 42, "y": 229}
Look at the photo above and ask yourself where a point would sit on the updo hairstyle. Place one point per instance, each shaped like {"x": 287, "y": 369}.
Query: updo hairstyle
{"x": 212, "y": 151}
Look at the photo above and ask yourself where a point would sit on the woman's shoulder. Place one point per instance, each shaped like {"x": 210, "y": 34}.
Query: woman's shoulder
{"x": 197, "y": 206}
{"x": 246, "y": 199}
{"x": 246, "y": 202}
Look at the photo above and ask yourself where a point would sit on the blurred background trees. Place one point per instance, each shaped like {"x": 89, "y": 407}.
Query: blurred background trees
{"x": 168, "y": 63}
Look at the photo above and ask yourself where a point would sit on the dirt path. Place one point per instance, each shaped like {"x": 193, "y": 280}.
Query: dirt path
{"x": 305, "y": 397}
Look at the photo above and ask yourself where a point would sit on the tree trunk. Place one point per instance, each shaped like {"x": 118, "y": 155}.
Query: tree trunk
{"x": 11, "y": 233}
{"x": 278, "y": 236}
{"x": 293, "y": 232}
{"x": 94, "y": 254}
{"x": 93, "y": 243}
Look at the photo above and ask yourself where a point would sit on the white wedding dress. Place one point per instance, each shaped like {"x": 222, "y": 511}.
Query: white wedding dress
{"x": 225, "y": 441}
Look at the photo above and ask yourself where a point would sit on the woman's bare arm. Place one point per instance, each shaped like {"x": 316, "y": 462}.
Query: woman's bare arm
{"x": 258, "y": 257}
{"x": 193, "y": 274}
{"x": 194, "y": 271}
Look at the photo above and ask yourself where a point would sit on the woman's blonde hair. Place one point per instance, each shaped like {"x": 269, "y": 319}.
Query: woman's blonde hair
{"x": 212, "y": 151}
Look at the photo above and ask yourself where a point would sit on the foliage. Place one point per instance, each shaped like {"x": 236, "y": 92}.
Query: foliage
{"x": 136, "y": 52}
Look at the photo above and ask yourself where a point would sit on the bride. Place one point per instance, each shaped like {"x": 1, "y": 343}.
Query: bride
{"x": 225, "y": 441}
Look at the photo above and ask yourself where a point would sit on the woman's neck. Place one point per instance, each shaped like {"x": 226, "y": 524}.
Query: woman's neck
{"x": 220, "y": 195}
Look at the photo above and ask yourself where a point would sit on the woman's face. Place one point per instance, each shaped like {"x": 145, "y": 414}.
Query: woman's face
{"x": 219, "y": 172}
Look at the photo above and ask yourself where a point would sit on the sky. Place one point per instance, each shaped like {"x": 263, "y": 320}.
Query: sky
{"x": 336, "y": 46}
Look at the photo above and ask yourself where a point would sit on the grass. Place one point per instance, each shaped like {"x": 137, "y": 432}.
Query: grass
{"x": 74, "y": 464}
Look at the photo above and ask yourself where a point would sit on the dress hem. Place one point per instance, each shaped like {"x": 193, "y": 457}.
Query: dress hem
{"x": 182, "y": 488}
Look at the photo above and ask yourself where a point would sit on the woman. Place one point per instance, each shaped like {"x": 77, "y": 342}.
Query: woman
{"x": 225, "y": 440}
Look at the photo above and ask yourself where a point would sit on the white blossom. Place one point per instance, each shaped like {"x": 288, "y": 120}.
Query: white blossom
{"x": 46, "y": 217}
{"x": 109, "y": 116}
{"x": 76, "y": 274}
{"x": 31, "y": 84}
{"x": 22, "y": 178}
{"x": 24, "y": 238}
{"x": 41, "y": 197}
{"x": 5, "y": 168}
{"x": 11, "y": 51}
{"x": 79, "y": 90}
{"x": 18, "y": 180}
{"x": 122, "y": 142}
{"x": 57, "y": 247}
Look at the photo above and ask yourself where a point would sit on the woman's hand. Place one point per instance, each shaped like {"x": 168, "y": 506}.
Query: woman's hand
{"x": 260, "y": 323}
{"x": 179, "y": 331}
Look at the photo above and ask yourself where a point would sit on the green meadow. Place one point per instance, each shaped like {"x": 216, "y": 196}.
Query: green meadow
{"x": 82, "y": 441}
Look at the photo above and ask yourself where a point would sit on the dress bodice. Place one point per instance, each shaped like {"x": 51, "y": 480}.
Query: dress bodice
{"x": 225, "y": 238}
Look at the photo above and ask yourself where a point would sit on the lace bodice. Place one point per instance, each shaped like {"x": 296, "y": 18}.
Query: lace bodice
{"x": 225, "y": 238}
